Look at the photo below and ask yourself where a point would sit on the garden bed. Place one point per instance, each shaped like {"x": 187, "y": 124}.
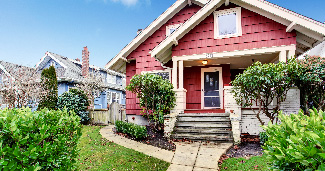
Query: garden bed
{"x": 154, "y": 138}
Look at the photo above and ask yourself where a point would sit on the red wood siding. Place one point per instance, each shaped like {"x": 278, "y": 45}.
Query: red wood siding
{"x": 258, "y": 31}
{"x": 144, "y": 61}
{"x": 192, "y": 83}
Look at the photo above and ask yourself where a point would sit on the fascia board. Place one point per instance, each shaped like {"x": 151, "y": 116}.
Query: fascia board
{"x": 162, "y": 19}
{"x": 188, "y": 25}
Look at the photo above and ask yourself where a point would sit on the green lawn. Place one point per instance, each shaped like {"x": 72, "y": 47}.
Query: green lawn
{"x": 253, "y": 163}
{"x": 97, "y": 153}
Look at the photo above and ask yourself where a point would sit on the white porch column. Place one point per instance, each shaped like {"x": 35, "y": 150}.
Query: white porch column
{"x": 291, "y": 54}
{"x": 174, "y": 79}
{"x": 181, "y": 75}
{"x": 283, "y": 56}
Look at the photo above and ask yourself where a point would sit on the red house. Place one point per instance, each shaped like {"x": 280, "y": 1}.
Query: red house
{"x": 202, "y": 45}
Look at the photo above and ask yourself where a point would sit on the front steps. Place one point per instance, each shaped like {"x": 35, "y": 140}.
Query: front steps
{"x": 213, "y": 127}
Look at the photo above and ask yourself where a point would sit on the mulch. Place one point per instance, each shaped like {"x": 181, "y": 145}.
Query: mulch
{"x": 154, "y": 138}
{"x": 249, "y": 147}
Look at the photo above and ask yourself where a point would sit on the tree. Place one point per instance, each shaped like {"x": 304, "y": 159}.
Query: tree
{"x": 311, "y": 83}
{"x": 50, "y": 84}
{"x": 21, "y": 87}
{"x": 156, "y": 96}
{"x": 263, "y": 83}
{"x": 92, "y": 85}
{"x": 75, "y": 100}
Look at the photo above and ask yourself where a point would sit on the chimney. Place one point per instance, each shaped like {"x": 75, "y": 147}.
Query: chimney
{"x": 85, "y": 62}
{"x": 139, "y": 31}
{"x": 78, "y": 60}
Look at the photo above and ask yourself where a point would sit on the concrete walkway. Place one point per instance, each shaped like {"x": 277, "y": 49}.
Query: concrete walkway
{"x": 187, "y": 157}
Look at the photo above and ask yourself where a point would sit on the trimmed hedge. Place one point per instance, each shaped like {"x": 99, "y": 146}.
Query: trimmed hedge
{"x": 41, "y": 140}
{"x": 298, "y": 143}
{"x": 136, "y": 131}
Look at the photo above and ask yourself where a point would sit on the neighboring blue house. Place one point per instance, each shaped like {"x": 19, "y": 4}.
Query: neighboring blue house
{"x": 70, "y": 72}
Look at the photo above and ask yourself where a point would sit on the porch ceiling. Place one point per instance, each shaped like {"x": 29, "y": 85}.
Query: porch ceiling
{"x": 236, "y": 62}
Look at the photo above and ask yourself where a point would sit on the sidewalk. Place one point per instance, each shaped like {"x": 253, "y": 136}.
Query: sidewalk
{"x": 187, "y": 157}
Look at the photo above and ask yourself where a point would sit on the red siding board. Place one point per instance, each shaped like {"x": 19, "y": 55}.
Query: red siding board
{"x": 258, "y": 31}
{"x": 144, "y": 60}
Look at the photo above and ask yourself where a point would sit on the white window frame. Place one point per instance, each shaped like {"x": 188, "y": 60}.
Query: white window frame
{"x": 159, "y": 71}
{"x": 175, "y": 26}
{"x": 237, "y": 11}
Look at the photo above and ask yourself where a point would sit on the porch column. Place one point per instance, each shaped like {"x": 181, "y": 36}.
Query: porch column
{"x": 181, "y": 75}
{"x": 283, "y": 56}
{"x": 174, "y": 79}
{"x": 291, "y": 54}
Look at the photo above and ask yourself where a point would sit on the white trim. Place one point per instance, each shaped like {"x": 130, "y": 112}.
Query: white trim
{"x": 304, "y": 25}
{"x": 159, "y": 71}
{"x": 212, "y": 69}
{"x": 186, "y": 27}
{"x": 226, "y": 2}
{"x": 168, "y": 28}
{"x": 227, "y": 54}
{"x": 5, "y": 71}
{"x": 51, "y": 56}
{"x": 160, "y": 21}
{"x": 237, "y": 11}
{"x": 291, "y": 26}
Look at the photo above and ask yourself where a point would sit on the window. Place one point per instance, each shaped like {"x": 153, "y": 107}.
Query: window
{"x": 227, "y": 23}
{"x": 116, "y": 97}
{"x": 165, "y": 74}
{"x": 171, "y": 28}
{"x": 52, "y": 63}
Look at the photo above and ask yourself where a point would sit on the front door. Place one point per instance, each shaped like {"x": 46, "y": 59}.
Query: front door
{"x": 212, "y": 88}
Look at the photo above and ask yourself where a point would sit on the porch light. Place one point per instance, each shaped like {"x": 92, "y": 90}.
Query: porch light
{"x": 204, "y": 62}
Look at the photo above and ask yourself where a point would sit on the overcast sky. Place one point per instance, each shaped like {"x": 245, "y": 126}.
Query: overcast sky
{"x": 29, "y": 28}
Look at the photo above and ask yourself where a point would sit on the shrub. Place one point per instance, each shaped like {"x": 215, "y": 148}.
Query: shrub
{"x": 264, "y": 83}
{"x": 263, "y": 137}
{"x": 156, "y": 96}
{"x": 41, "y": 140}
{"x": 298, "y": 143}
{"x": 50, "y": 84}
{"x": 136, "y": 131}
{"x": 75, "y": 100}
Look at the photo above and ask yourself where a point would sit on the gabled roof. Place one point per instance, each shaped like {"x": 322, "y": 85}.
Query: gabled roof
{"x": 305, "y": 26}
{"x": 309, "y": 32}
{"x": 118, "y": 62}
{"x": 9, "y": 68}
{"x": 71, "y": 70}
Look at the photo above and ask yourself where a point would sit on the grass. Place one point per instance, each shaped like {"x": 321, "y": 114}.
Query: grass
{"x": 97, "y": 153}
{"x": 253, "y": 163}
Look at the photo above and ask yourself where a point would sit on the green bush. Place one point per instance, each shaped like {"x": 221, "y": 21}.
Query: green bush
{"x": 75, "y": 100}
{"x": 41, "y": 140}
{"x": 136, "y": 131}
{"x": 156, "y": 96}
{"x": 298, "y": 143}
{"x": 263, "y": 137}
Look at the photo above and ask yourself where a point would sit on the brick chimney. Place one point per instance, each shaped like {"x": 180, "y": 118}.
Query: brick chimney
{"x": 85, "y": 62}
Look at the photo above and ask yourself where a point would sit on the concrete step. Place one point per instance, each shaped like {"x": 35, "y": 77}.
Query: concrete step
{"x": 204, "y": 115}
{"x": 203, "y": 119}
{"x": 202, "y": 130}
{"x": 204, "y": 124}
{"x": 203, "y": 137}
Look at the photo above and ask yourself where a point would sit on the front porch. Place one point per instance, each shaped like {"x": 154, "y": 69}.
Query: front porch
{"x": 199, "y": 80}
{"x": 205, "y": 89}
